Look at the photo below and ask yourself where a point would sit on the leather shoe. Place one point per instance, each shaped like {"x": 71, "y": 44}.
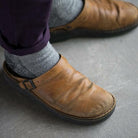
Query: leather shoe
{"x": 67, "y": 93}
{"x": 99, "y": 18}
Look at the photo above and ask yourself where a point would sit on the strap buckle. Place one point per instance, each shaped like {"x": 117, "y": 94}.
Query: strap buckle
{"x": 31, "y": 84}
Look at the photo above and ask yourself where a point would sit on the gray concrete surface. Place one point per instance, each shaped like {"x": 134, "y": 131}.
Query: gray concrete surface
{"x": 112, "y": 63}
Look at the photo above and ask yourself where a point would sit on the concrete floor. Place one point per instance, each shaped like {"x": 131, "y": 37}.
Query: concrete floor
{"x": 112, "y": 63}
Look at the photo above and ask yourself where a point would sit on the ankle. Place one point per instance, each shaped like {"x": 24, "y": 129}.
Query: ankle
{"x": 33, "y": 65}
{"x": 64, "y": 11}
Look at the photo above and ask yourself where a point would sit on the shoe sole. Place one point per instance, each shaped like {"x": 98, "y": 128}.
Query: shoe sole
{"x": 62, "y": 35}
{"x": 61, "y": 115}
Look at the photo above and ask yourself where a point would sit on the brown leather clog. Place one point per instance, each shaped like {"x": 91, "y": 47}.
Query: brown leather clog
{"x": 99, "y": 18}
{"x": 66, "y": 92}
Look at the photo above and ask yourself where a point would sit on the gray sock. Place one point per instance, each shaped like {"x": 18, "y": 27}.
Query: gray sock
{"x": 33, "y": 65}
{"x": 64, "y": 11}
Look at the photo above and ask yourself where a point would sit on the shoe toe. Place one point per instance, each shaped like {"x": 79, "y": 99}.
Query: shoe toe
{"x": 129, "y": 15}
{"x": 104, "y": 103}
{"x": 93, "y": 104}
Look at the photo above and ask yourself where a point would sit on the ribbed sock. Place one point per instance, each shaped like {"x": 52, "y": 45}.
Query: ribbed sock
{"x": 33, "y": 65}
{"x": 64, "y": 11}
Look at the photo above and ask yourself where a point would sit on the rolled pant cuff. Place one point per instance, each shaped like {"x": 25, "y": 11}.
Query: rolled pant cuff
{"x": 26, "y": 50}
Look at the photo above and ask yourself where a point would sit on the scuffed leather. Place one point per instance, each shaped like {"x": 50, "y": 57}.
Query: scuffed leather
{"x": 103, "y": 15}
{"x": 68, "y": 91}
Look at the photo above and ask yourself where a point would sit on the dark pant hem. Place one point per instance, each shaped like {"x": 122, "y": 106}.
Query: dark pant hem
{"x": 27, "y": 50}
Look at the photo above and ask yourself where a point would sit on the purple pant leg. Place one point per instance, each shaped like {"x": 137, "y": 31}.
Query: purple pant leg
{"x": 24, "y": 25}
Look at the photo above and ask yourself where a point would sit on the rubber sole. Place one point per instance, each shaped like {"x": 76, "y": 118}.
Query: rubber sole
{"x": 62, "y": 35}
{"x": 61, "y": 115}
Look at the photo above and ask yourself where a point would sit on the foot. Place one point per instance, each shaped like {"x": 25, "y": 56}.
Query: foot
{"x": 64, "y": 11}
{"x": 35, "y": 64}
{"x": 67, "y": 93}
{"x": 98, "y": 18}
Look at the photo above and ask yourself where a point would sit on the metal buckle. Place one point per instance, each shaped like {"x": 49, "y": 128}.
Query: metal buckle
{"x": 31, "y": 82}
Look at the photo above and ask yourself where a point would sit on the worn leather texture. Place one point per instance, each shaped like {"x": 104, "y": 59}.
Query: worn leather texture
{"x": 103, "y": 15}
{"x": 68, "y": 91}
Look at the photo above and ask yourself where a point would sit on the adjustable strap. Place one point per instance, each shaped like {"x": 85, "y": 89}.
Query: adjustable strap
{"x": 24, "y": 84}
{"x": 32, "y": 84}
{"x": 28, "y": 85}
